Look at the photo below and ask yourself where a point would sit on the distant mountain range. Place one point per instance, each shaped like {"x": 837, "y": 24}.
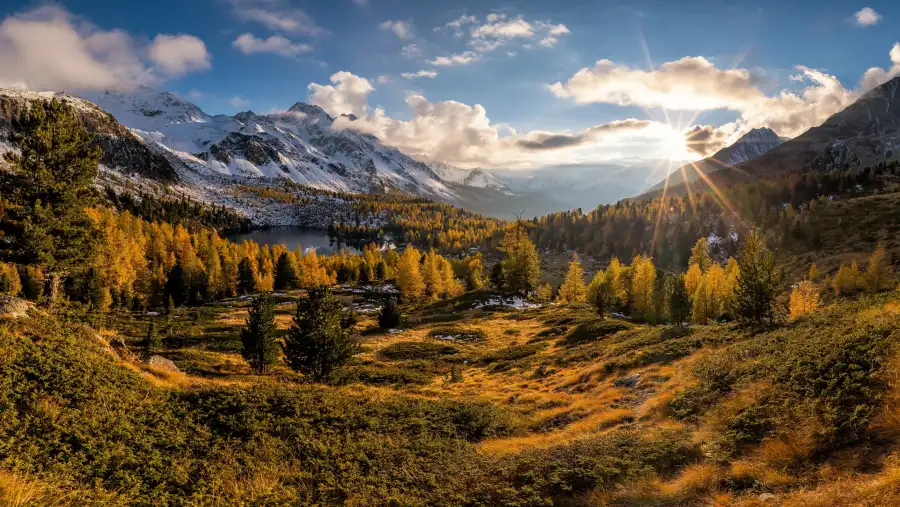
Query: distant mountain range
{"x": 751, "y": 145}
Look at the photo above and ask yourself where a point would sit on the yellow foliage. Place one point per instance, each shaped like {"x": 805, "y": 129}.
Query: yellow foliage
{"x": 643, "y": 282}
{"x": 573, "y": 288}
{"x": 692, "y": 279}
{"x": 409, "y": 278}
{"x": 804, "y": 299}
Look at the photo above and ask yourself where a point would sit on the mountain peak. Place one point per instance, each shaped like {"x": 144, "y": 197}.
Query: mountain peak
{"x": 309, "y": 109}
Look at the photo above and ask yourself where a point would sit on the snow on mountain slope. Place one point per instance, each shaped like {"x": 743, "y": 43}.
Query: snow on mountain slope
{"x": 297, "y": 144}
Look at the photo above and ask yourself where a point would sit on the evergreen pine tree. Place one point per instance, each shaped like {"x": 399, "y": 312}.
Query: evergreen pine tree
{"x": 497, "y": 276}
{"x": 286, "y": 277}
{"x": 258, "y": 335}
{"x": 45, "y": 190}
{"x": 153, "y": 340}
{"x": 247, "y": 277}
{"x": 319, "y": 341}
{"x": 757, "y": 282}
{"x": 390, "y": 317}
{"x": 679, "y": 302}
{"x": 600, "y": 293}
{"x": 521, "y": 265}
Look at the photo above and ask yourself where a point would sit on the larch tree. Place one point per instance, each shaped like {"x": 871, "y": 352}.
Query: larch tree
{"x": 319, "y": 341}
{"x": 259, "y": 346}
{"x": 45, "y": 190}
{"x": 600, "y": 293}
{"x": 474, "y": 272}
{"x": 692, "y": 279}
{"x": 643, "y": 284}
{"x": 804, "y": 299}
{"x": 700, "y": 254}
{"x": 757, "y": 283}
{"x": 409, "y": 277}
{"x": 879, "y": 273}
{"x": 573, "y": 289}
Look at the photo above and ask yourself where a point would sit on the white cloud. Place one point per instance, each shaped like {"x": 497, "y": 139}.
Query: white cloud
{"x": 695, "y": 84}
{"x": 383, "y": 79}
{"x": 49, "y": 49}
{"x": 411, "y": 51}
{"x": 463, "y": 58}
{"x": 402, "y": 29}
{"x": 430, "y": 74}
{"x": 500, "y": 27}
{"x": 249, "y": 44}
{"x": 179, "y": 54}
{"x": 238, "y": 102}
{"x": 276, "y": 15}
{"x": 866, "y": 17}
{"x": 463, "y": 135}
{"x": 348, "y": 94}
{"x": 457, "y": 24}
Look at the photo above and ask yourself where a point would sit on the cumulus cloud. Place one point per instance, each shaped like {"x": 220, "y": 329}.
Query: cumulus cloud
{"x": 704, "y": 140}
{"x": 463, "y": 58}
{"x": 402, "y": 29}
{"x": 499, "y": 29}
{"x": 348, "y": 94}
{"x": 540, "y": 141}
{"x": 179, "y": 54}
{"x": 498, "y": 26}
{"x": 249, "y": 44}
{"x": 695, "y": 84}
{"x": 383, "y": 79}
{"x": 866, "y": 17}
{"x": 50, "y": 49}
{"x": 463, "y": 135}
{"x": 276, "y": 15}
{"x": 430, "y": 74}
{"x": 457, "y": 24}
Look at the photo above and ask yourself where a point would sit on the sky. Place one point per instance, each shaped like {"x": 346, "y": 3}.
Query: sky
{"x": 478, "y": 83}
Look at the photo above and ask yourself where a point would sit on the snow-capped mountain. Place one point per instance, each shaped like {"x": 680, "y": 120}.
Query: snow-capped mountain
{"x": 150, "y": 136}
{"x": 751, "y": 145}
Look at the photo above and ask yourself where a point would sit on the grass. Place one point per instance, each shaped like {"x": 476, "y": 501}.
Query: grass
{"x": 536, "y": 407}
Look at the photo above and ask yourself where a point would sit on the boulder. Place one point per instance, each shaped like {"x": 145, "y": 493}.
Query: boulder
{"x": 161, "y": 363}
{"x": 13, "y": 307}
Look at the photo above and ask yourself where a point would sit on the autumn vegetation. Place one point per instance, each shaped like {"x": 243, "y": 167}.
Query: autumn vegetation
{"x": 684, "y": 357}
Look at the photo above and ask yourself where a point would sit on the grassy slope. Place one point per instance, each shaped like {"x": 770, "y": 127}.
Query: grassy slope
{"x": 547, "y": 406}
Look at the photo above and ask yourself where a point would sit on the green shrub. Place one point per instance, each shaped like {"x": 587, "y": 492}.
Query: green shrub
{"x": 458, "y": 333}
{"x": 595, "y": 330}
{"x": 403, "y": 351}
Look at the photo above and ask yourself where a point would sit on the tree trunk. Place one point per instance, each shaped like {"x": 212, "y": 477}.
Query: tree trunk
{"x": 55, "y": 284}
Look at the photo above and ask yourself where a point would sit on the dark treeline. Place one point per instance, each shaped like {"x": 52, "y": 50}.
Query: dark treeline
{"x": 179, "y": 211}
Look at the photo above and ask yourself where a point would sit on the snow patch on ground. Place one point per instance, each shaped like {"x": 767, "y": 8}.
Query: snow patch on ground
{"x": 516, "y": 302}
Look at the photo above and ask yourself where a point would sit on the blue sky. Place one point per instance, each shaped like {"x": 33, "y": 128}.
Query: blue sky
{"x": 313, "y": 40}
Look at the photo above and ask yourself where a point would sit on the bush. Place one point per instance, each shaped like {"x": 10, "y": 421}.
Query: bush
{"x": 403, "y": 351}
{"x": 458, "y": 333}
{"x": 390, "y": 316}
{"x": 595, "y": 330}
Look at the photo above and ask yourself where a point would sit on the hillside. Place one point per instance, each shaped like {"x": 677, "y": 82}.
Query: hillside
{"x": 545, "y": 405}
{"x": 749, "y": 146}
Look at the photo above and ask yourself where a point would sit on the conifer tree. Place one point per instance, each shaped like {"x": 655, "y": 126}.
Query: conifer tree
{"x": 10, "y": 282}
{"x": 319, "y": 342}
{"x": 44, "y": 191}
{"x": 879, "y": 273}
{"x": 390, "y": 317}
{"x": 474, "y": 272}
{"x": 409, "y": 277}
{"x": 260, "y": 349}
{"x": 813, "y": 272}
{"x": 521, "y": 265}
{"x": 286, "y": 277}
{"x": 643, "y": 283}
{"x": 616, "y": 277}
{"x": 692, "y": 279}
{"x": 497, "y": 276}
{"x": 600, "y": 293}
{"x": 153, "y": 340}
{"x": 544, "y": 293}
{"x": 757, "y": 282}
{"x": 247, "y": 277}
{"x": 573, "y": 289}
{"x": 700, "y": 254}
{"x": 679, "y": 302}
{"x": 804, "y": 299}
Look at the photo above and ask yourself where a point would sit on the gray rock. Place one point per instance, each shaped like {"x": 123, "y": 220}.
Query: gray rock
{"x": 629, "y": 381}
{"x": 161, "y": 363}
{"x": 13, "y": 307}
